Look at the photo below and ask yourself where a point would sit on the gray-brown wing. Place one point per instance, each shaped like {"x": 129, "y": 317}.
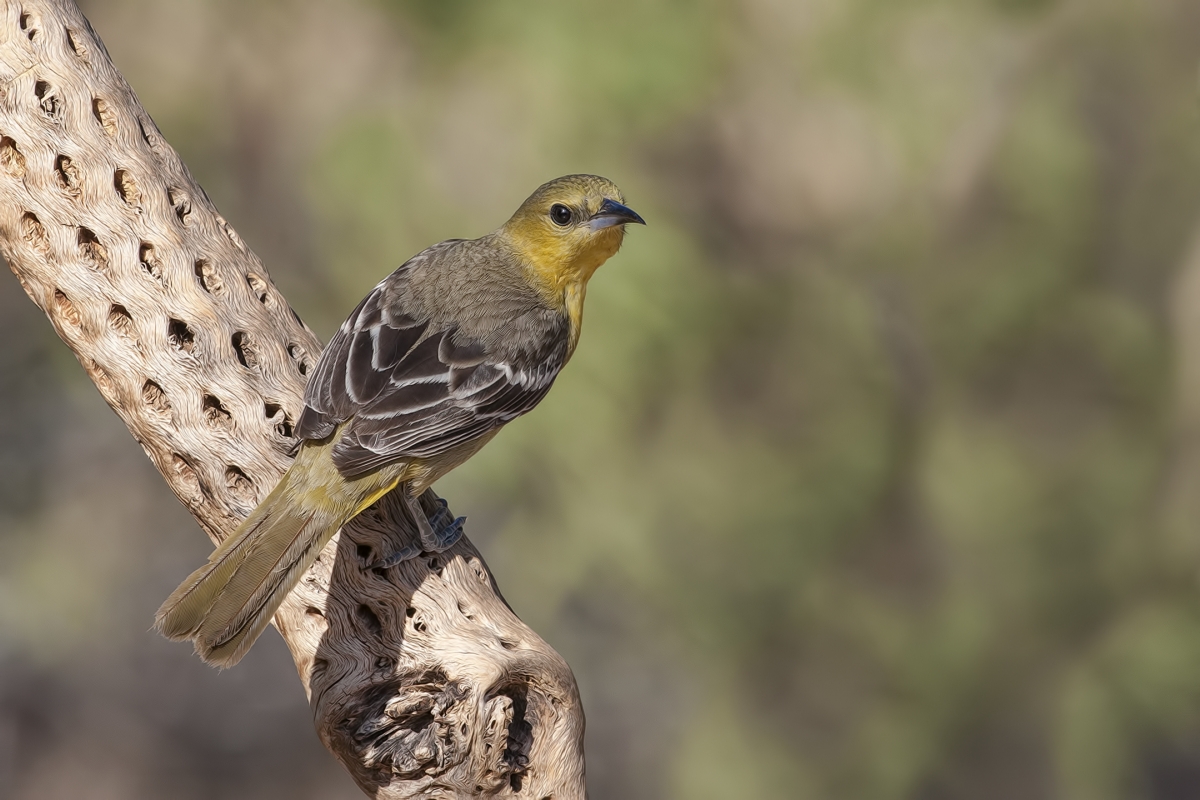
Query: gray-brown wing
{"x": 410, "y": 391}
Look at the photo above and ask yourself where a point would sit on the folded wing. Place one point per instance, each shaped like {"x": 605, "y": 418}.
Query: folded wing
{"x": 412, "y": 390}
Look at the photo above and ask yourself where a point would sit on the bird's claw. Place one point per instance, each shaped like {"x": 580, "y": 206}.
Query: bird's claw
{"x": 404, "y": 554}
{"x": 439, "y": 532}
{"x": 442, "y": 530}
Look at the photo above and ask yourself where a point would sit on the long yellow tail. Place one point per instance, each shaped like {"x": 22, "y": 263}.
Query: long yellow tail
{"x": 225, "y": 605}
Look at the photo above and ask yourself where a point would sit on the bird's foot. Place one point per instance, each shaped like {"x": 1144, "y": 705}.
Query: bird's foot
{"x": 441, "y": 530}
{"x": 437, "y": 533}
{"x": 399, "y": 557}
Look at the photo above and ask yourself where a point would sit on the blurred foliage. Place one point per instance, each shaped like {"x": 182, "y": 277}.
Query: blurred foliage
{"x": 875, "y": 474}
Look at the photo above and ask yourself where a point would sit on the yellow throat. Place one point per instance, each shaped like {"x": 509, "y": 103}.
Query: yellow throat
{"x": 563, "y": 233}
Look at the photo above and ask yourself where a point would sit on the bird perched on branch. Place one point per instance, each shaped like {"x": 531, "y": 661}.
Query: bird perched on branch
{"x": 462, "y": 338}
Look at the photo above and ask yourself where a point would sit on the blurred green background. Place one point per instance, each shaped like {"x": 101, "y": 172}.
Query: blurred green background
{"x": 875, "y": 476}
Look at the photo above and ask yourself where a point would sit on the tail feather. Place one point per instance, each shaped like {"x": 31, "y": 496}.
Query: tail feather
{"x": 255, "y": 590}
{"x": 228, "y": 602}
{"x": 279, "y": 552}
{"x": 224, "y": 606}
{"x": 180, "y": 615}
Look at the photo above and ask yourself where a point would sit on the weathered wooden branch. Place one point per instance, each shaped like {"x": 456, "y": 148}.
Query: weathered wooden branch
{"x": 423, "y": 683}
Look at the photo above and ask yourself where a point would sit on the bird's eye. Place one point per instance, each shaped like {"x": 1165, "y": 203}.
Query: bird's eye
{"x": 560, "y": 214}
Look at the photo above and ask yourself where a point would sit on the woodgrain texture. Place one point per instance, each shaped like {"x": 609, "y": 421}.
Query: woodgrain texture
{"x": 423, "y": 683}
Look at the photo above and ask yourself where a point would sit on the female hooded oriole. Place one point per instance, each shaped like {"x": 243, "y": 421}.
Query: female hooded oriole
{"x": 460, "y": 339}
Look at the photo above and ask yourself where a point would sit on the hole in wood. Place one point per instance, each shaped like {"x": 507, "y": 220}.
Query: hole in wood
{"x": 239, "y": 485}
{"x": 30, "y": 25}
{"x": 181, "y": 203}
{"x": 258, "y": 287}
{"x": 230, "y": 232}
{"x": 246, "y": 351}
{"x": 476, "y": 567}
{"x": 120, "y": 320}
{"x": 210, "y": 281}
{"x": 48, "y": 100}
{"x": 104, "y": 116}
{"x": 283, "y": 423}
{"x": 466, "y": 612}
{"x": 284, "y": 427}
{"x": 181, "y": 336}
{"x": 127, "y": 188}
{"x": 149, "y": 136}
{"x": 369, "y": 620}
{"x": 12, "y": 160}
{"x": 66, "y": 309}
{"x": 215, "y": 412}
{"x": 148, "y": 258}
{"x": 68, "y": 175}
{"x": 520, "y": 734}
{"x": 94, "y": 254}
{"x": 33, "y": 233}
{"x": 184, "y": 479}
{"x": 300, "y": 356}
{"x": 75, "y": 42}
{"x": 155, "y": 398}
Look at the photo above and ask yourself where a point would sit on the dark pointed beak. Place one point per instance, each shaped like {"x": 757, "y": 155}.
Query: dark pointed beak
{"x": 613, "y": 213}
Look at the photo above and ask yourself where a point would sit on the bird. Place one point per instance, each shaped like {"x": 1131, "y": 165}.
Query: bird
{"x": 459, "y": 340}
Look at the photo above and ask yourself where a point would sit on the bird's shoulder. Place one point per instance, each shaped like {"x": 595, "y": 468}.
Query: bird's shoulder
{"x": 479, "y": 290}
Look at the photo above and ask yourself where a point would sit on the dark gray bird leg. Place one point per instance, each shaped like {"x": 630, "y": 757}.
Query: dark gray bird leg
{"x": 437, "y": 533}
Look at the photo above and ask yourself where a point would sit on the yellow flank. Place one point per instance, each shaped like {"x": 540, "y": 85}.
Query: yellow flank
{"x": 421, "y": 473}
{"x": 370, "y": 499}
{"x": 314, "y": 479}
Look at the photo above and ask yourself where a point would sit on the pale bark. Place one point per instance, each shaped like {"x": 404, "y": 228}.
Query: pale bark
{"x": 422, "y": 681}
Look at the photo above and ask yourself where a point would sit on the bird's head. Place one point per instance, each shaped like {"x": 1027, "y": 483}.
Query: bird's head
{"x": 568, "y": 228}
